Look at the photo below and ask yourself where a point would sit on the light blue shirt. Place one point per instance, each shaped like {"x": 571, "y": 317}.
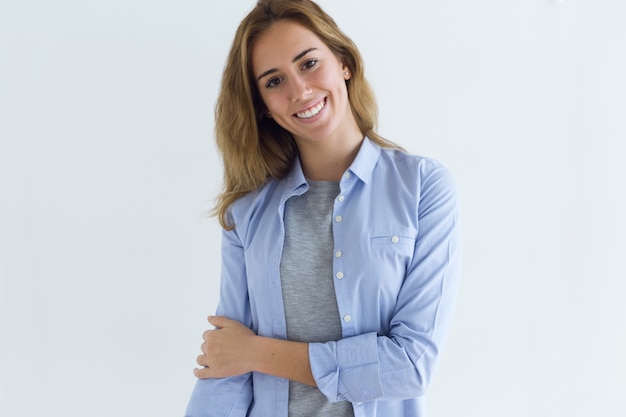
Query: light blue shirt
{"x": 396, "y": 269}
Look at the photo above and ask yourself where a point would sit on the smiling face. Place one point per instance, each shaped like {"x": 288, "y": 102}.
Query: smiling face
{"x": 303, "y": 84}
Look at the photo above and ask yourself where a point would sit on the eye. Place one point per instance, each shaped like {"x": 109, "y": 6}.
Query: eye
{"x": 309, "y": 63}
{"x": 273, "y": 82}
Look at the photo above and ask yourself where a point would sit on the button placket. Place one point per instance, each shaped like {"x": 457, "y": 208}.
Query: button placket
{"x": 341, "y": 284}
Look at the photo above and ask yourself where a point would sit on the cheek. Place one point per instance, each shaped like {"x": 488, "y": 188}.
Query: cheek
{"x": 272, "y": 102}
{"x": 332, "y": 80}
{"x": 276, "y": 99}
{"x": 337, "y": 83}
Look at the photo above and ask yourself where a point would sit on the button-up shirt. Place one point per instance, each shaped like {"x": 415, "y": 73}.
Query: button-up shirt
{"x": 396, "y": 267}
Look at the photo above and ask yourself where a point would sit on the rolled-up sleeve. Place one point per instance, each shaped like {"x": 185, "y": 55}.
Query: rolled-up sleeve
{"x": 347, "y": 369}
{"x": 227, "y": 397}
{"x": 400, "y": 364}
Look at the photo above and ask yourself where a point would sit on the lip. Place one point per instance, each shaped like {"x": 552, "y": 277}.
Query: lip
{"x": 309, "y": 107}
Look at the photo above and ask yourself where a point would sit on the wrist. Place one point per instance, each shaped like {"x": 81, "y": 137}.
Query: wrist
{"x": 254, "y": 356}
{"x": 281, "y": 358}
{"x": 261, "y": 354}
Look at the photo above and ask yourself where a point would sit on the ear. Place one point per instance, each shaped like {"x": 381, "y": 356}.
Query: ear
{"x": 345, "y": 69}
{"x": 347, "y": 74}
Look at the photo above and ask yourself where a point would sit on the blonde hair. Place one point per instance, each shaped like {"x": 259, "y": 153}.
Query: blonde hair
{"x": 254, "y": 148}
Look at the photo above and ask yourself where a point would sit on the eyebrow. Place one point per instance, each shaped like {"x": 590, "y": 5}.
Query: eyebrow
{"x": 297, "y": 57}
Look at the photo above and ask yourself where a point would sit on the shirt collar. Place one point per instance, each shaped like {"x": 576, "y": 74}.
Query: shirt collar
{"x": 362, "y": 166}
{"x": 295, "y": 178}
{"x": 365, "y": 161}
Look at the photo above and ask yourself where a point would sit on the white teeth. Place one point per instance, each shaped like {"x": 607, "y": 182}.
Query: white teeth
{"x": 307, "y": 114}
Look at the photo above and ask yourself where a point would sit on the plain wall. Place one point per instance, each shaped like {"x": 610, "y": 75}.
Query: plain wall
{"x": 108, "y": 266}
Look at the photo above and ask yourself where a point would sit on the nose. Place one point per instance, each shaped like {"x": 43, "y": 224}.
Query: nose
{"x": 299, "y": 89}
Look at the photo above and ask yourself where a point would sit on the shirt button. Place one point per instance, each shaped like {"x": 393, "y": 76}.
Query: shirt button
{"x": 339, "y": 275}
{"x": 338, "y": 254}
{"x": 341, "y": 198}
{"x": 338, "y": 219}
{"x": 395, "y": 239}
{"x": 347, "y": 318}
{"x": 346, "y": 175}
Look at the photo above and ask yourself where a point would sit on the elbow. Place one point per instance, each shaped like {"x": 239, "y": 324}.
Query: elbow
{"x": 418, "y": 381}
{"x": 411, "y": 375}
{"x": 423, "y": 368}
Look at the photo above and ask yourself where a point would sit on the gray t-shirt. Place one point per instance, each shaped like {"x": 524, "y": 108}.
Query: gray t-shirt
{"x": 308, "y": 290}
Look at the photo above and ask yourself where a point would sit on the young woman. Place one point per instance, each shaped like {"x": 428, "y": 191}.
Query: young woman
{"x": 340, "y": 252}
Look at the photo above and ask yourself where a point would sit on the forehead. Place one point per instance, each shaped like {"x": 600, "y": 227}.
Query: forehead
{"x": 280, "y": 43}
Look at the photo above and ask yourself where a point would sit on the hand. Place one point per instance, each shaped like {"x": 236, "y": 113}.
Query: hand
{"x": 226, "y": 351}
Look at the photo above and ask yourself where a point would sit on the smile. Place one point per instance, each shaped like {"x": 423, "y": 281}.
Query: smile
{"x": 311, "y": 112}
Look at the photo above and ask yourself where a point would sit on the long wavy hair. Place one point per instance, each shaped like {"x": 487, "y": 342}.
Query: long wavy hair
{"x": 254, "y": 148}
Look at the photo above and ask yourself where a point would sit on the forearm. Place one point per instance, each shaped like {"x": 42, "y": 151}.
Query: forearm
{"x": 282, "y": 358}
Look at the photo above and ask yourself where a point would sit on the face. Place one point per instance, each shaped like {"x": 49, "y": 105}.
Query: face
{"x": 303, "y": 84}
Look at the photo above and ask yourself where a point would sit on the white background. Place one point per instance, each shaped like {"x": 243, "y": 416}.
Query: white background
{"x": 107, "y": 165}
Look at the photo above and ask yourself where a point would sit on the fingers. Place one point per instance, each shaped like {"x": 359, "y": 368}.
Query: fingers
{"x": 205, "y": 335}
{"x": 202, "y": 373}
{"x": 218, "y": 321}
{"x": 202, "y": 360}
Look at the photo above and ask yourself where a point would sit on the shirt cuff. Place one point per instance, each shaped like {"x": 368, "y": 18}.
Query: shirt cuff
{"x": 347, "y": 369}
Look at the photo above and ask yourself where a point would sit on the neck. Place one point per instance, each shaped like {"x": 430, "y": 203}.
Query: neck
{"x": 322, "y": 162}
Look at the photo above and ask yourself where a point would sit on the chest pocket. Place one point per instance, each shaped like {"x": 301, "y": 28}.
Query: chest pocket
{"x": 393, "y": 242}
{"x": 387, "y": 264}
{"x": 392, "y": 253}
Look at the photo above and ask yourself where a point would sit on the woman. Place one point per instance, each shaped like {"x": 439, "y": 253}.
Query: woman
{"x": 340, "y": 252}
